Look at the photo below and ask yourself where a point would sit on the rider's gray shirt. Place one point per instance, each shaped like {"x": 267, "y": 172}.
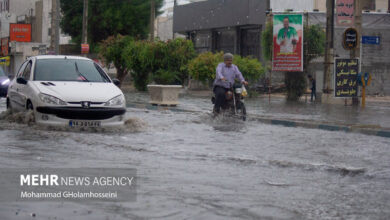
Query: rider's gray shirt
{"x": 230, "y": 73}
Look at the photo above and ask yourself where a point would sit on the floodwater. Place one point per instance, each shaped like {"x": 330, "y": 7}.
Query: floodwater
{"x": 190, "y": 166}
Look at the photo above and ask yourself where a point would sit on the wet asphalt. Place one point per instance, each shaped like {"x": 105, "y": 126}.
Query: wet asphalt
{"x": 191, "y": 166}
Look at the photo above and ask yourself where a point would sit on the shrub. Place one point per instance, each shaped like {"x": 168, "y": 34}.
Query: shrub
{"x": 158, "y": 61}
{"x": 135, "y": 55}
{"x": 250, "y": 68}
{"x": 203, "y": 67}
{"x": 170, "y": 61}
{"x": 295, "y": 85}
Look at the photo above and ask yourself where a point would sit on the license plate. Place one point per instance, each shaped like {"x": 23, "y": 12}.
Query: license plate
{"x": 89, "y": 124}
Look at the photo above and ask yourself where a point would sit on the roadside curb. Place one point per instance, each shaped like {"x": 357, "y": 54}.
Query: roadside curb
{"x": 380, "y": 132}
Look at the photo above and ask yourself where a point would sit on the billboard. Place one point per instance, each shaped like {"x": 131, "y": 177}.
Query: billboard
{"x": 346, "y": 72}
{"x": 345, "y": 11}
{"x": 20, "y": 32}
{"x": 287, "y": 42}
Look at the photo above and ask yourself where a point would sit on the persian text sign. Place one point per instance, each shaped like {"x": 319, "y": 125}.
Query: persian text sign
{"x": 84, "y": 48}
{"x": 288, "y": 43}
{"x": 20, "y": 32}
{"x": 346, "y": 71}
{"x": 345, "y": 11}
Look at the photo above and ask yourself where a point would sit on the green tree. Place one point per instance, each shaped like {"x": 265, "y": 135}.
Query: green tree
{"x": 111, "y": 50}
{"x": 314, "y": 45}
{"x": 107, "y": 18}
{"x": 267, "y": 41}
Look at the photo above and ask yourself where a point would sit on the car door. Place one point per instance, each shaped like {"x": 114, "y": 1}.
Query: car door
{"x": 13, "y": 90}
{"x": 23, "y": 90}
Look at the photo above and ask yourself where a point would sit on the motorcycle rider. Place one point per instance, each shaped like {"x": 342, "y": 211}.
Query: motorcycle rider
{"x": 226, "y": 73}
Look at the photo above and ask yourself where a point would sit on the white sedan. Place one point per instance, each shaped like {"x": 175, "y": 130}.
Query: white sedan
{"x": 67, "y": 90}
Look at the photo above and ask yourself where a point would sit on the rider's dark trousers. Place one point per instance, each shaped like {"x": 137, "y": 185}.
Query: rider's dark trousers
{"x": 219, "y": 97}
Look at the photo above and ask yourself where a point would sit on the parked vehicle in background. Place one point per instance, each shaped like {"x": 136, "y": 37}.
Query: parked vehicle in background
{"x": 67, "y": 91}
{"x": 4, "y": 82}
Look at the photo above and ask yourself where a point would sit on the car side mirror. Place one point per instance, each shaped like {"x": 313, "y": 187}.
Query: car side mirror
{"x": 11, "y": 76}
{"x": 21, "y": 80}
{"x": 116, "y": 82}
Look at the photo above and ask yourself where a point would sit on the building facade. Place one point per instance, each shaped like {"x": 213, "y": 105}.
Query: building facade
{"x": 223, "y": 25}
{"x": 37, "y": 14}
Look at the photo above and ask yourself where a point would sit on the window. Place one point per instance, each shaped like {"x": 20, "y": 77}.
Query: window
{"x": 22, "y": 67}
{"x": 250, "y": 42}
{"x": 68, "y": 70}
{"x": 27, "y": 71}
{"x": 202, "y": 42}
{"x": 225, "y": 41}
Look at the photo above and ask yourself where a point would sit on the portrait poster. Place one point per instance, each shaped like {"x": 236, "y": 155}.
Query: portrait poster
{"x": 287, "y": 42}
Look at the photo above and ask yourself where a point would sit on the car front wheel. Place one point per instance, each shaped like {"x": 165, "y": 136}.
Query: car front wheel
{"x": 29, "y": 105}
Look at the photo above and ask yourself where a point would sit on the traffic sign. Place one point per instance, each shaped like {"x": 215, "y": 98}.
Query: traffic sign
{"x": 376, "y": 40}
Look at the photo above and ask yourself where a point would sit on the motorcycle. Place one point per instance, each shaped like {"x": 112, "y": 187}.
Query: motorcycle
{"x": 234, "y": 101}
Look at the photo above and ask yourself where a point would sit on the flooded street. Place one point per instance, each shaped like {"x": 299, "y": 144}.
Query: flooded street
{"x": 190, "y": 166}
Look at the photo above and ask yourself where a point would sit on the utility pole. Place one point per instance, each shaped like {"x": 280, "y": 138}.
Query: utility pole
{"x": 355, "y": 53}
{"x": 53, "y": 26}
{"x": 57, "y": 27}
{"x": 84, "y": 38}
{"x": 152, "y": 18}
{"x": 173, "y": 17}
{"x": 329, "y": 45}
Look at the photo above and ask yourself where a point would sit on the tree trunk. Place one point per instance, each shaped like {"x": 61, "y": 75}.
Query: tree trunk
{"x": 121, "y": 74}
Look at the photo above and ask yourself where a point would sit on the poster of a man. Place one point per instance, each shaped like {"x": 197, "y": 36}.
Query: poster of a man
{"x": 287, "y": 37}
{"x": 287, "y": 42}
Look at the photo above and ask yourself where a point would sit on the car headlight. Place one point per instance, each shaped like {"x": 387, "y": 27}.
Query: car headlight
{"x": 116, "y": 101}
{"x": 5, "y": 82}
{"x": 51, "y": 99}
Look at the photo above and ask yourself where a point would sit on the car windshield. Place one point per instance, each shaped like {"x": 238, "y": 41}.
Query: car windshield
{"x": 68, "y": 70}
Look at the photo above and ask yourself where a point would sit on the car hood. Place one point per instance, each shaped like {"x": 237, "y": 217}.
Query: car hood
{"x": 79, "y": 91}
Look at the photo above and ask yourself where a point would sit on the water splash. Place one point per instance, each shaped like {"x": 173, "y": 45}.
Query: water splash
{"x": 18, "y": 117}
{"x": 17, "y": 120}
{"x": 135, "y": 125}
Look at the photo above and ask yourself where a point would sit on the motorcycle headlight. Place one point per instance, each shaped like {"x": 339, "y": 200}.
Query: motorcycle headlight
{"x": 238, "y": 90}
{"x": 116, "y": 101}
{"x": 51, "y": 99}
